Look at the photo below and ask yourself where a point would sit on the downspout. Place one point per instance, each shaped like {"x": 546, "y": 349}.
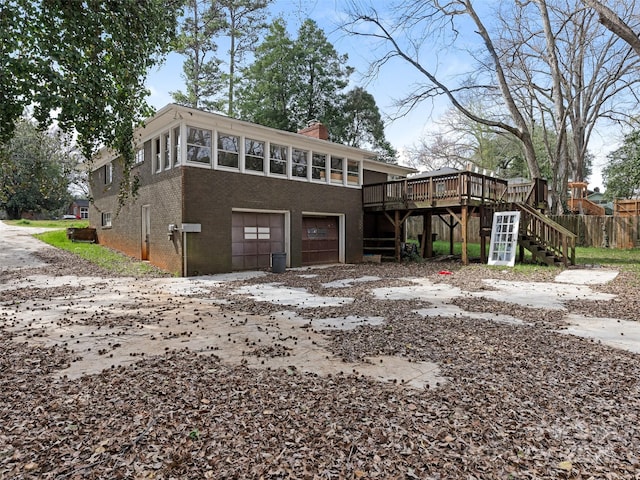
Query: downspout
{"x": 184, "y": 253}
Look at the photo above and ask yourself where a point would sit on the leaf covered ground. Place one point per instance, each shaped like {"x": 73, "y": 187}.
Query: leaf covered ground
{"x": 519, "y": 401}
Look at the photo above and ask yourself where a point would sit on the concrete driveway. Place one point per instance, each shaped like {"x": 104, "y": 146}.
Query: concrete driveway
{"x": 18, "y": 245}
{"x": 107, "y": 322}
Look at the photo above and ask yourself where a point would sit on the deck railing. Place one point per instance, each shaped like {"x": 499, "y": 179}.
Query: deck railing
{"x": 450, "y": 187}
{"x": 532, "y": 193}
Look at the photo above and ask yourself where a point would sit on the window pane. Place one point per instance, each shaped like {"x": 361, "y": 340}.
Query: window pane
{"x": 228, "y": 150}
{"x": 198, "y": 154}
{"x": 353, "y": 172}
{"x": 157, "y": 155}
{"x": 228, "y": 143}
{"x": 254, "y": 155}
{"x": 198, "y": 145}
{"x": 108, "y": 173}
{"x": 166, "y": 150}
{"x": 337, "y": 173}
{"x": 278, "y": 155}
{"x": 319, "y": 166}
{"x": 299, "y": 163}
{"x": 198, "y": 136}
{"x": 176, "y": 146}
{"x": 227, "y": 159}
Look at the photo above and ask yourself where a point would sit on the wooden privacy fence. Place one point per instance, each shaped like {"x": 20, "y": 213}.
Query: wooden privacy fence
{"x": 591, "y": 230}
{"x": 602, "y": 231}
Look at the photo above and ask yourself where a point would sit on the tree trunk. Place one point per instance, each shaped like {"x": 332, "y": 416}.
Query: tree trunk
{"x": 13, "y": 213}
{"x": 615, "y": 24}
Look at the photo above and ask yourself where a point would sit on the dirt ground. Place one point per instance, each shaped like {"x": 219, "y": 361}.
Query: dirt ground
{"x": 384, "y": 371}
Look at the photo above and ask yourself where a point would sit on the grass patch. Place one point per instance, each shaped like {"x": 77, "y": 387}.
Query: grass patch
{"x": 627, "y": 259}
{"x": 103, "y": 257}
{"x": 48, "y": 223}
{"x": 622, "y": 259}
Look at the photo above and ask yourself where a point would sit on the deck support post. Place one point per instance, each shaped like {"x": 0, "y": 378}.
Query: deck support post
{"x": 426, "y": 247}
{"x": 451, "y": 224}
{"x": 396, "y": 226}
{"x": 397, "y": 222}
{"x": 465, "y": 241}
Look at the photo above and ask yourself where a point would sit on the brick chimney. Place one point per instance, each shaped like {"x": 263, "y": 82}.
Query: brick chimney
{"x": 315, "y": 130}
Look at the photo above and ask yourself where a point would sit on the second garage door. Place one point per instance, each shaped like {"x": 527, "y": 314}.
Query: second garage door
{"x": 255, "y": 236}
{"x": 320, "y": 240}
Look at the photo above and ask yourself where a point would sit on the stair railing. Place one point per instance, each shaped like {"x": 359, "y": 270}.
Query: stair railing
{"x": 550, "y": 235}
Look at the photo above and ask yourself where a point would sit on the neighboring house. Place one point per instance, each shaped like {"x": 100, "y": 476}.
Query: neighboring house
{"x": 79, "y": 208}
{"x": 218, "y": 195}
{"x": 598, "y": 198}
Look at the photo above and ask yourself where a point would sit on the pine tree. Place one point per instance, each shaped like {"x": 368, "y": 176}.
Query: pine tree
{"x": 201, "y": 69}
{"x": 268, "y": 84}
{"x": 243, "y": 22}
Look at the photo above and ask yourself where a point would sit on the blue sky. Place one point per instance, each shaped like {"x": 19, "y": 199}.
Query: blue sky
{"x": 394, "y": 81}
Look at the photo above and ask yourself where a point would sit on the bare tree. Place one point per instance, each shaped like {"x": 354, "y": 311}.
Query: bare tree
{"x": 457, "y": 142}
{"x": 551, "y": 71}
{"x": 570, "y": 75}
{"x": 418, "y": 21}
{"x": 612, "y": 21}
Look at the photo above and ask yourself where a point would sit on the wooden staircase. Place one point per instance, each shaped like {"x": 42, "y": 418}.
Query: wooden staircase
{"x": 549, "y": 242}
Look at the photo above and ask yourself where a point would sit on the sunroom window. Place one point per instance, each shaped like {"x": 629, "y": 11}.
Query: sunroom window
{"x": 253, "y": 155}
{"x": 157, "y": 157}
{"x": 198, "y": 145}
{"x": 108, "y": 173}
{"x": 176, "y": 146}
{"x": 166, "y": 151}
{"x": 299, "y": 162}
{"x": 353, "y": 172}
{"x": 228, "y": 150}
{"x": 278, "y": 159}
{"x": 319, "y": 166}
{"x": 337, "y": 170}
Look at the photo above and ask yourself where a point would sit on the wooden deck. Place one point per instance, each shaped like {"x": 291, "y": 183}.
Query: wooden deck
{"x": 459, "y": 196}
{"x": 462, "y": 188}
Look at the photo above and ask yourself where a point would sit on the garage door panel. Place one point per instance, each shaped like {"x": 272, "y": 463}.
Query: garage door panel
{"x": 320, "y": 240}
{"x": 254, "y": 237}
{"x": 264, "y": 248}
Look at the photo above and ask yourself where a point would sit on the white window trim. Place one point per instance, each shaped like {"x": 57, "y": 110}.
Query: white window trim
{"x": 156, "y": 156}
{"x": 186, "y": 147}
{"x": 290, "y": 146}
{"x": 265, "y": 160}
{"x": 181, "y": 156}
{"x": 104, "y": 224}
{"x": 108, "y": 173}
{"x": 139, "y": 159}
{"x": 326, "y": 163}
{"x": 225, "y": 168}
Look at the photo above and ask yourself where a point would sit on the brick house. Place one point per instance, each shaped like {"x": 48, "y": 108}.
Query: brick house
{"x": 79, "y": 208}
{"x": 218, "y": 194}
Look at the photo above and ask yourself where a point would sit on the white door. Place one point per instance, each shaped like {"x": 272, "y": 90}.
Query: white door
{"x": 146, "y": 231}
